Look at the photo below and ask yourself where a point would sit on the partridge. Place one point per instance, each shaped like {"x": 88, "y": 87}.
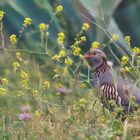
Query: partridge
{"x": 111, "y": 88}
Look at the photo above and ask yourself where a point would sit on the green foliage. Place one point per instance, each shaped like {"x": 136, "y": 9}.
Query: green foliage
{"x": 54, "y": 99}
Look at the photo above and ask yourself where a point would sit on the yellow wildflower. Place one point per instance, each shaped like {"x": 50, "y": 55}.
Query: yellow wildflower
{"x": 2, "y": 91}
{"x": 68, "y": 61}
{"x": 115, "y": 37}
{"x": 55, "y": 76}
{"x": 85, "y": 26}
{"x": 60, "y": 38}
{"x": 27, "y": 22}
{"x": 56, "y": 57}
{"x": 1, "y": 15}
{"x": 37, "y": 114}
{"x": 46, "y": 84}
{"x": 83, "y": 38}
{"x": 24, "y": 83}
{"x": 62, "y": 53}
{"x": 55, "y": 70}
{"x": 35, "y": 93}
{"x": 127, "y": 39}
{"x": 128, "y": 69}
{"x": 59, "y": 9}
{"x": 20, "y": 93}
{"x": 95, "y": 44}
{"x": 13, "y": 39}
{"x": 124, "y": 60}
{"x": 4, "y": 80}
{"x": 83, "y": 85}
{"x": 76, "y": 50}
{"x": 132, "y": 98}
{"x": 136, "y": 50}
{"x": 61, "y": 34}
{"x": 24, "y": 75}
{"x": 18, "y": 54}
{"x": 16, "y": 65}
{"x": 102, "y": 119}
{"x": 43, "y": 26}
{"x": 82, "y": 102}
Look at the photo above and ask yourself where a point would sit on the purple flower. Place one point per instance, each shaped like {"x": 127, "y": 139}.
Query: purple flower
{"x": 61, "y": 89}
{"x": 24, "y": 116}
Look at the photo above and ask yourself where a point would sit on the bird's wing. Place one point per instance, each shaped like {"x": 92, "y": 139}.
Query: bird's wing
{"x": 126, "y": 89}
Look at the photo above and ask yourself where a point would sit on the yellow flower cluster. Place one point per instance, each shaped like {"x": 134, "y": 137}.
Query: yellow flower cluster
{"x": 2, "y": 91}
{"x": 124, "y": 60}
{"x": 128, "y": 69}
{"x": 38, "y": 114}
{"x": 19, "y": 93}
{"x": 59, "y": 9}
{"x": 136, "y": 50}
{"x": 115, "y": 37}
{"x": 13, "y": 39}
{"x": 60, "y": 38}
{"x": 27, "y": 22}
{"x": 43, "y": 27}
{"x": 62, "y": 53}
{"x": 76, "y": 50}
{"x": 35, "y": 93}
{"x": 102, "y": 119}
{"x": 56, "y": 57}
{"x": 68, "y": 61}
{"x": 85, "y": 26}
{"x": 16, "y": 65}
{"x": 82, "y": 102}
{"x": 24, "y": 75}
{"x": 4, "y": 81}
{"x": 82, "y": 38}
{"x": 127, "y": 39}
{"x": 18, "y": 56}
{"x": 46, "y": 84}
{"x": 25, "y": 78}
{"x": 83, "y": 85}
{"x": 95, "y": 45}
{"x": 1, "y": 15}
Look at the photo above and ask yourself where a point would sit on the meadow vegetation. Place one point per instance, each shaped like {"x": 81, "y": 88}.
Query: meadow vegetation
{"x": 55, "y": 99}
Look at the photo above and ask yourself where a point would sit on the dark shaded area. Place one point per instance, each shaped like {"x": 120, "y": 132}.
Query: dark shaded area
{"x": 127, "y": 16}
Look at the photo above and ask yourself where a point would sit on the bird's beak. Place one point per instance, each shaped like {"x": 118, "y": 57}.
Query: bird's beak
{"x": 87, "y": 56}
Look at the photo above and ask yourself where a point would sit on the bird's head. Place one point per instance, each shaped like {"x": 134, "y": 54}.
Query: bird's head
{"x": 95, "y": 57}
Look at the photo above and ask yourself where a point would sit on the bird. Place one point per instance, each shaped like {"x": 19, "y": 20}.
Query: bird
{"x": 111, "y": 88}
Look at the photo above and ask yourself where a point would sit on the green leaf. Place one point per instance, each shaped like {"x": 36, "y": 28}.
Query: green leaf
{"x": 18, "y": 124}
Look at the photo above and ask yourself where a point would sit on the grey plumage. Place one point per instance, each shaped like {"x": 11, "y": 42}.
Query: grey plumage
{"x": 110, "y": 87}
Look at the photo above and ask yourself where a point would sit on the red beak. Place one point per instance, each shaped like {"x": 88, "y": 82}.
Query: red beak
{"x": 87, "y": 56}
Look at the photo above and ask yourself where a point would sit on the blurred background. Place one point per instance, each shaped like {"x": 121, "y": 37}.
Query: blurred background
{"x": 104, "y": 16}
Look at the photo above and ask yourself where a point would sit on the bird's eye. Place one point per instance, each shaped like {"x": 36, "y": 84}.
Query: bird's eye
{"x": 93, "y": 53}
